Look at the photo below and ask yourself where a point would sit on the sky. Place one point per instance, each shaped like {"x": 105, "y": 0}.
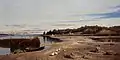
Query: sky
{"x": 50, "y": 14}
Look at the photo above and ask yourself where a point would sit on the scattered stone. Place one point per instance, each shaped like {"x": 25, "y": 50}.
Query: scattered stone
{"x": 59, "y": 49}
{"x": 98, "y": 45}
{"x": 110, "y": 44}
{"x": 84, "y": 57}
{"x": 17, "y": 51}
{"x": 107, "y": 53}
{"x": 69, "y": 56}
{"x": 98, "y": 48}
{"x": 55, "y": 53}
{"x": 72, "y": 54}
{"x": 52, "y": 54}
{"x": 64, "y": 50}
{"x": 110, "y": 53}
{"x": 94, "y": 50}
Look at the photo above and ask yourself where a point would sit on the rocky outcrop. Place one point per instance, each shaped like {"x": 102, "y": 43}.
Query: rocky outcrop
{"x": 22, "y": 44}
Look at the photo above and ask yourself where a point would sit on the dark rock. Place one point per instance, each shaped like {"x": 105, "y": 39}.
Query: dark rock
{"x": 110, "y": 53}
{"x": 84, "y": 57}
{"x": 71, "y": 56}
{"x": 94, "y": 50}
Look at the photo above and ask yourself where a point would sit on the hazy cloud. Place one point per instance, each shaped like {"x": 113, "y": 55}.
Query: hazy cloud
{"x": 107, "y": 15}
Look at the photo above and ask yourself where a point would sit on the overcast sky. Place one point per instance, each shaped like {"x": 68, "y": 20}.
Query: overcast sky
{"x": 60, "y": 12}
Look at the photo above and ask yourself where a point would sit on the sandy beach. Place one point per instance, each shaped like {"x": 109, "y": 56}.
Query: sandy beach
{"x": 72, "y": 48}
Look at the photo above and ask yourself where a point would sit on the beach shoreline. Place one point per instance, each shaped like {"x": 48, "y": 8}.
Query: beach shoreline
{"x": 70, "y": 43}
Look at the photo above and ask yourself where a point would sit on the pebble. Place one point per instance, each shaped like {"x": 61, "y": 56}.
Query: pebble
{"x": 56, "y": 52}
{"x": 59, "y": 49}
{"x": 53, "y": 54}
{"x": 64, "y": 50}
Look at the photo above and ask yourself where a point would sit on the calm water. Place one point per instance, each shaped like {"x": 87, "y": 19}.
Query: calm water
{"x": 43, "y": 40}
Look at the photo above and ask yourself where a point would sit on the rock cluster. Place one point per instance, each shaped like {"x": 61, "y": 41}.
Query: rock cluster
{"x": 56, "y": 52}
{"x": 110, "y": 53}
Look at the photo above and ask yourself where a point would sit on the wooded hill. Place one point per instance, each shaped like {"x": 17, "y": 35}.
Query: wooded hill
{"x": 87, "y": 30}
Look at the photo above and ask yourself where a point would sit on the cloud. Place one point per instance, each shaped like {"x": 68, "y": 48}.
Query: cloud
{"x": 74, "y": 21}
{"x": 117, "y": 6}
{"x": 113, "y": 14}
{"x": 107, "y": 15}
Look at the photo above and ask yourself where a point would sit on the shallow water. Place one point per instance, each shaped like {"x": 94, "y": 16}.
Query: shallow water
{"x": 43, "y": 40}
{"x": 4, "y": 51}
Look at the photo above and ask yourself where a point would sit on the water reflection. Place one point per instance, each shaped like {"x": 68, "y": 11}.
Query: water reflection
{"x": 4, "y": 51}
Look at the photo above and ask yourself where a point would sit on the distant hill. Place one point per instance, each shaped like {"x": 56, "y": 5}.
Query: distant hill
{"x": 87, "y": 30}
